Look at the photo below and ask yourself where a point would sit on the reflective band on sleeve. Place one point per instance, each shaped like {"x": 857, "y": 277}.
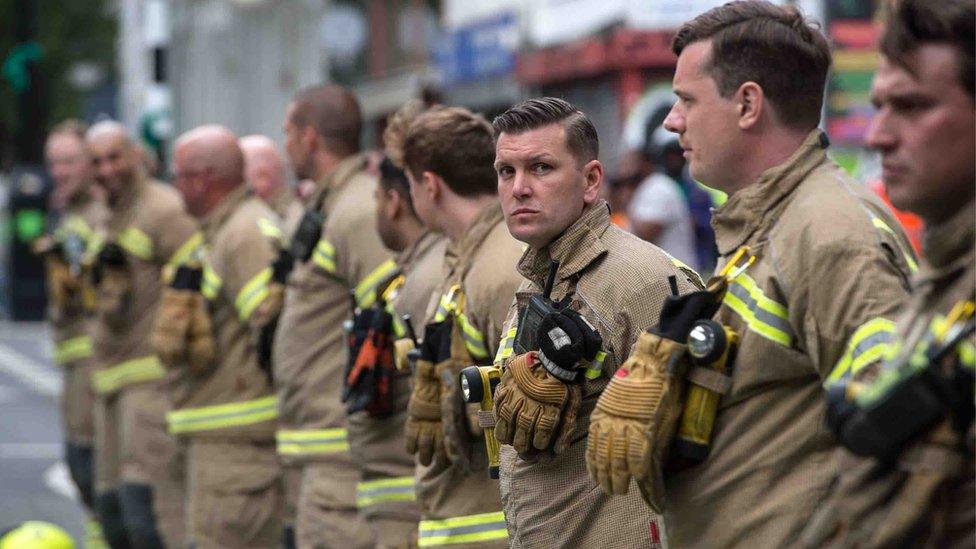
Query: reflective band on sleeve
{"x": 137, "y": 370}
{"x": 321, "y": 441}
{"x": 868, "y": 345}
{"x": 474, "y": 340}
{"x": 75, "y": 225}
{"x": 222, "y": 416}
{"x": 908, "y": 254}
{"x": 136, "y": 243}
{"x": 683, "y": 267}
{"x": 366, "y": 289}
{"x": 210, "y": 286}
{"x": 325, "y": 256}
{"x": 252, "y": 294}
{"x": 187, "y": 251}
{"x": 763, "y": 315}
{"x": 466, "y": 529}
{"x": 73, "y": 349}
{"x": 384, "y": 491}
{"x": 269, "y": 229}
{"x": 399, "y": 328}
{"x": 967, "y": 354}
{"x": 447, "y": 303}
{"x": 596, "y": 368}
{"x": 506, "y": 345}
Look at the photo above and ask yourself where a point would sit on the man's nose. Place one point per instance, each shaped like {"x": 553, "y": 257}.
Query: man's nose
{"x": 674, "y": 122}
{"x": 879, "y": 134}
{"x": 520, "y": 185}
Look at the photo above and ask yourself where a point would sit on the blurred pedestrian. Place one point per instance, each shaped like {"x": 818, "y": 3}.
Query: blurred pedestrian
{"x": 138, "y": 473}
{"x": 265, "y": 176}
{"x": 633, "y": 167}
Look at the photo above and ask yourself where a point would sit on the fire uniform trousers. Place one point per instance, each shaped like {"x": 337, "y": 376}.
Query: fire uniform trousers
{"x": 618, "y": 283}
{"x": 151, "y": 226}
{"x": 227, "y": 415}
{"x": 461, "y": 507}
{"x": 830, "y": 273}
{"x": 927, "y": 498}
{"x": 310, "y": 355}
{"x": 79, "y": 225}
{"x": 385, "y": 494}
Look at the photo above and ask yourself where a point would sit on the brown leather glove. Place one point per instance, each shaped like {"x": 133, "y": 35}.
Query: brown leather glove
{"x": 636, "y": 418}
{"x": 533, "y": 410}
{"x": 114, "y": 296}
{"x": 424, "y": 430}
{"x": 172, "y": 325}
{"x": 63, "y": 288}
{"x": 201, "y": 349}
{"x": 461, "y": 431}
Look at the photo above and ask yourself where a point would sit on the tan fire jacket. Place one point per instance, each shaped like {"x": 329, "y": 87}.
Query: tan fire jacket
{"x": 310, "y": 350}
{"x": 618, "y": 282}
{"x": 234, "y": 400}
{"x": 151, "y": 225}
{"x": 289, "y": 211}
{"x": 830, "y": 273}
{"x": 929, "y": 498}
{"x": 386, "y": 487}
{"x": 462, "y": 509}
{"x": 82, "y": 221}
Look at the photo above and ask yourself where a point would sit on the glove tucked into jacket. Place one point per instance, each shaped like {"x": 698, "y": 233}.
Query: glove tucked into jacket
{"x": 534, "y": 411}
{"x": 424, "y": 430}
{"x": 172, "y": 325}
{"x": 567, "y": 343}
{"x": 63, "y": 288}
{"x": 201, "y": 349}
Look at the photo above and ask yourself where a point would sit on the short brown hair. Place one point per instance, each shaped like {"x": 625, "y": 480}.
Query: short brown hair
{"x": 581, "y": 137}
{"x": 455, "y": 144}
{"x": 396, "y": 129}
{"x": 912, "y": 23}
{"x": 773, "y": 46}
{"x": 334, "y": 113}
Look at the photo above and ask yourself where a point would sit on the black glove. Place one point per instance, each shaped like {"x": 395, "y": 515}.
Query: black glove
{"x": 187, "y": 278}
{"x": 282, "y": 266}
{"x": 111, "y": 255}
{"x": 566, "y": 340}
{"x": 680, "y": 312}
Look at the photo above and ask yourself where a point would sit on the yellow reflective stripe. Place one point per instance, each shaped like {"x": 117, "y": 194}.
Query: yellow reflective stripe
{"x": 967, "y": 354}
{"x": 222, "y": 416}
{"x": 325, "y": 256}
{"x": 320, "y": 441}
{"x": 366, "y": 289}
{"x": 384, "y": 491}
{"x": 868, "y": 344}
{"x": 136, "y": 243}
{"x": 596, "y": 367}
{"x": 211, "y": 283}
{"x": 75, "y": 225}
{"x": 506, "y": 345}
{"x": 683, "y": 267}
{"x": 466, "y": 529}
{"x": 447, "y": 303}
{"x": 93, "y": 535}
{"x": 909, "y": 255}
{"x": 399, "y": 328}
{"x": 187, "y": 250}
{"x": 73, "y": 349}
{"x": 253, "y": 293}
{"x": 474, "y": 340}
{"x": 763, "y": 315}
{"x": 108, "y": 380}
{"x": 270, "y": 229}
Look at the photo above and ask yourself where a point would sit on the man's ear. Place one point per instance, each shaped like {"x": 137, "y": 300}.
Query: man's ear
{"x": 751, "y": 102}
{"x": 309, "y": 138}
{"x": 393, "y": 204}
{"x": 433, "y": 185}
{"x": 593, "y": 181}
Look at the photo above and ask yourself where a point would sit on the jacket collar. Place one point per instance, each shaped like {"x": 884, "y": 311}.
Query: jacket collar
{"x": 218, "y": 216}
{"x": 338, "y": 177}
{"x": 575, "y": 249}
{"x": 747, "y": 210}
{"x": 949, "y": 246}
{"x": 484, "y": 222}
{"x": 417, "y": 250}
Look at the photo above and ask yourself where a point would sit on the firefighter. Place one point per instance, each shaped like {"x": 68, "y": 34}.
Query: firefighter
{"x": 138, "y": 473}
{"x": 906, "y": 479}
{"x": 81, "y": 211}
{"x": 338, "y": 264}
{"x": 447, "y": 155}
{"x": 812, "y": 270}
{"x": 589, "y": 287}
{"x": 224, "y": 405}
{"x": 264, "y": 172}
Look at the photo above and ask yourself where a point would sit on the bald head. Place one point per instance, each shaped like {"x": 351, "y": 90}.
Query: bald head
{"x": 264, "y": 167}
{"x": 115, "y": 159}
{"x": 209, "y": 165}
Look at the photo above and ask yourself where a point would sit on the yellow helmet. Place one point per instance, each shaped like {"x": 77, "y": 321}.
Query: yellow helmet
{"x": 35, "y": 534}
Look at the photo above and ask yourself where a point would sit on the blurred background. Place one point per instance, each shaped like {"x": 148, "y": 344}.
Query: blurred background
{"x": 164, "y": 66}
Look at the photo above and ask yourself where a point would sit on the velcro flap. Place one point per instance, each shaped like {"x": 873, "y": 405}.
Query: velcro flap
{"x": 710, "y": 379}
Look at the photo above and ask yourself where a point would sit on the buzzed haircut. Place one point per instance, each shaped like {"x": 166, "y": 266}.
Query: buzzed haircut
{"x": 455, "y": 144}
{"x": 913, "y": 23}
{"x": 773, "y": 46}
{"x": 70, "y": 126}
{"x": 581, "y": 137}
{"x": 393, "y": 179}
{"x": 334, "y": 113}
